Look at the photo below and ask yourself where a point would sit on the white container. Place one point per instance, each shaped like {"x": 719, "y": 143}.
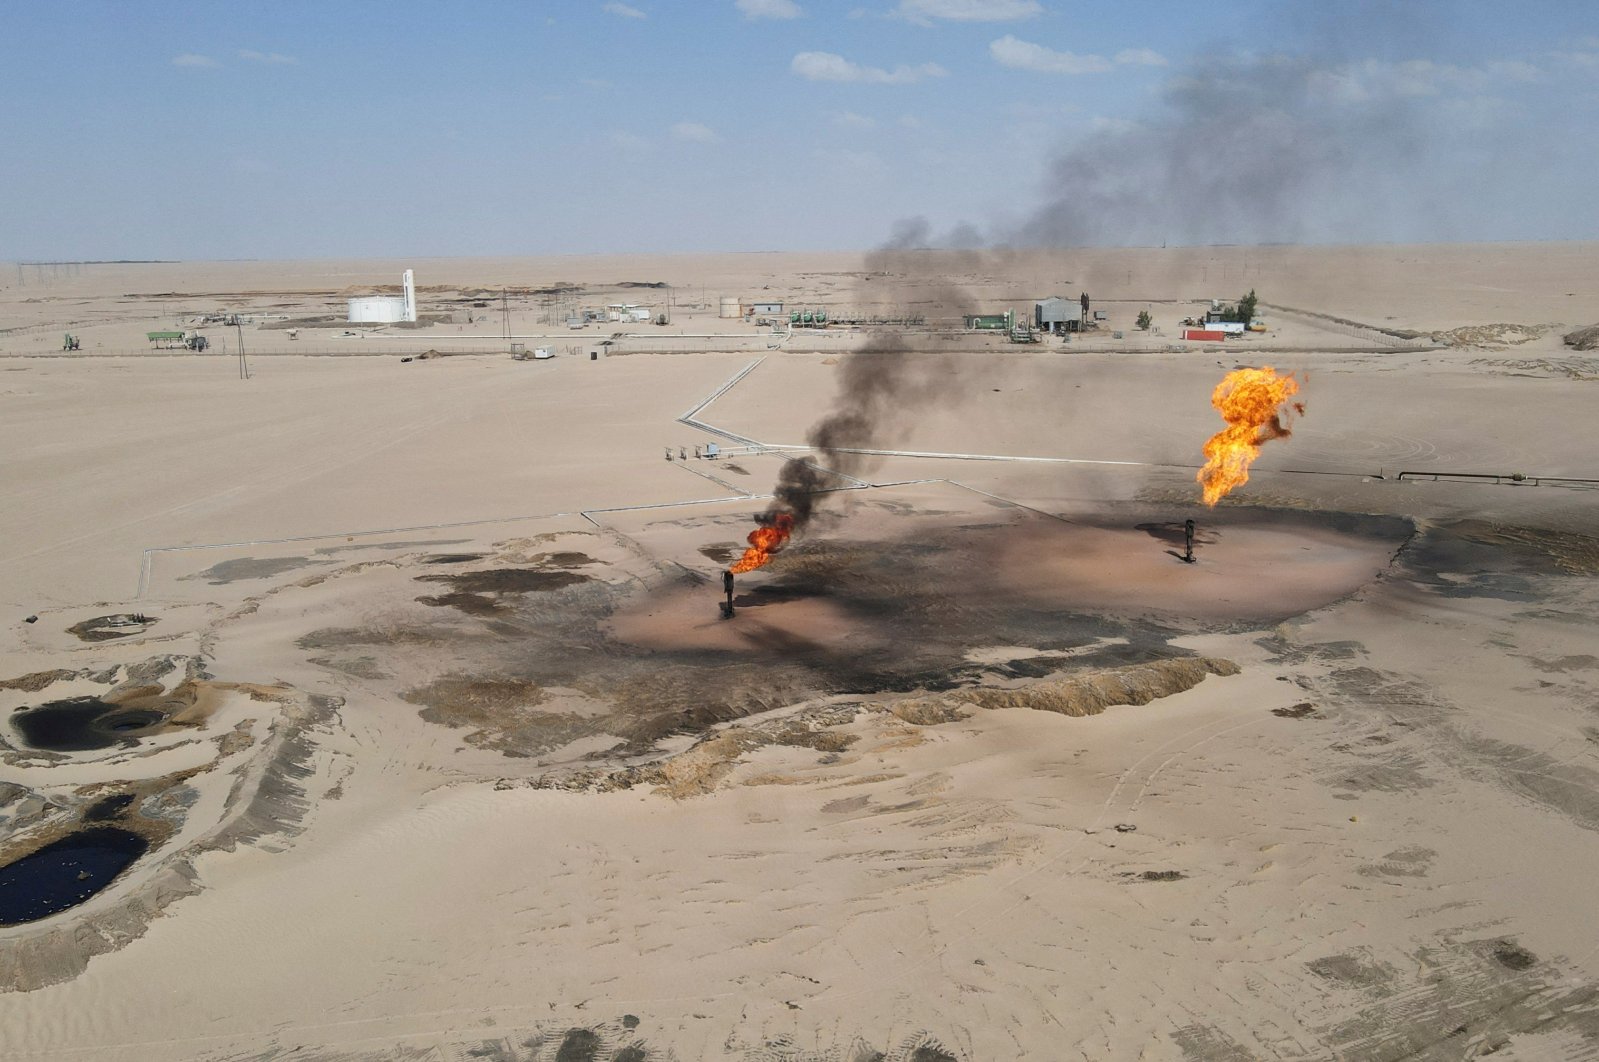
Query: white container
{"x": 377, "y": 309}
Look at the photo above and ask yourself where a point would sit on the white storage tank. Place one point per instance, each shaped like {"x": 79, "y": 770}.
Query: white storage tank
{"x": 386, "y": 309}
{"x": 377, "y": 309}
{"x": 731, "y": 309}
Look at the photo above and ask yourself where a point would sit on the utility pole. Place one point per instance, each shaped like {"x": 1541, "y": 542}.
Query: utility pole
{"x": 244, "y": 366}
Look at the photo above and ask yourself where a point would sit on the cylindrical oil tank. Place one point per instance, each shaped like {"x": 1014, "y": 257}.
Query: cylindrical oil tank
{"x": 377, "y": 309}
{"x": 731, "y": 308}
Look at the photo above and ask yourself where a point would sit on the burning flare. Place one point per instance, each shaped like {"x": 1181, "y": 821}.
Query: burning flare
{"x": 765, "y": 542}
{"x": 1249, "y": 401}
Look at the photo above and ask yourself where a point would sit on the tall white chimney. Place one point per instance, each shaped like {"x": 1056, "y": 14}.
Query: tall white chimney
{"x": 410, "y": 295}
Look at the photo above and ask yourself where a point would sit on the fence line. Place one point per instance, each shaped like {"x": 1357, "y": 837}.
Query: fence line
{"x": 363, "y": 351}
{"x": 1354, "y": 329}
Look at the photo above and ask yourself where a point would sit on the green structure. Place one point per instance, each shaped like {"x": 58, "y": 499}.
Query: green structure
{"x": 991, "y": 322}
{"x": 165, "y": 340}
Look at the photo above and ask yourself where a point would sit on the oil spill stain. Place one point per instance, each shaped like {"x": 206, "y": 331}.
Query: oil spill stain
{"x": 82, "y": 724}
{"x": 470, "y": 590}
{"x": 580, "y": 1045}
{"x": 65, "y": 873}
{"x": 507, "y": 580}
{"x": 109, "y": 628}
{"x": 244, "y": 568}
{"x": 1513, "y": 957}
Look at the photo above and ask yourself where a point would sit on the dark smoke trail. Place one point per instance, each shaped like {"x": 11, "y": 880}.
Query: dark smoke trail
{"x": 1344, "y": 136}
{"x": 880, "y": 387}
{"x": 884, "y": 384}
{"x": 1249, "y": 150}
{"x": 1243, "y": 149}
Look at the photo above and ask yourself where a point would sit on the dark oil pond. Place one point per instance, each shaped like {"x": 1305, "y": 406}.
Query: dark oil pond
{"x": 79, "y": 724}
{"x": 65, "y": 873}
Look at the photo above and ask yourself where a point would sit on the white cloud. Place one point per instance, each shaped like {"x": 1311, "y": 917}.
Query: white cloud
{"x": 1116, "y": 126}
{"x": 1024, "y": 55}
{"x": 857, "y": 165}
{"x": 1140, "y": 57}
{"x": 1587, "y": 60}
{"x": 1513, "y": 70}
{"x": 768, "y": 8}
{"x": 910, "y": 121}
{"x": 631, "y": 142}
{"x": 1371, "y": 79}
{"x": 695, "y": 133}
{"x": 923, "y": 11}
{"x": 851, "y": 120}
{"x": 825, "y": 66}
{"x": 190, "y": 59}
{"x": 1477, "y": 113}
{"x": 1414, "y": 78}
{"x": 271, "y": 58}
{"x": 623, "y": 11}
{"x": 1053, "y": 113}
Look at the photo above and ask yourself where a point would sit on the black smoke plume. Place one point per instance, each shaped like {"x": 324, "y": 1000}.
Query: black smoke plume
{"x": 880, "y": 386}
{"x": 1242, "y": 149}
{"x": 885, "y": 383}
{"x": 1247, "y": 150}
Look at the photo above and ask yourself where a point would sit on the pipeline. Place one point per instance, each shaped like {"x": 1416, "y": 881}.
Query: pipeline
{"x": 1513, "y": 478}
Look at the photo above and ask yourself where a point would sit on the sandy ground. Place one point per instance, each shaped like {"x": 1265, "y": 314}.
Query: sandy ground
{"x": 456, "y": 759}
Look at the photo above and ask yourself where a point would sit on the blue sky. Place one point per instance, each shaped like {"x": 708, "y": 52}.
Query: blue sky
{"x": 212, "y": 130}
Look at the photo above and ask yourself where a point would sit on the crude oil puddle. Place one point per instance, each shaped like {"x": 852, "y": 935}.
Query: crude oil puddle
{"x": 65, "y": 873}
{"x": 470, "y": 590}
{"x": 108, "y": 808}
{"x": 507, "y": 580}
{"x": 80, "y": 724}
{"x": 244, "y": 568}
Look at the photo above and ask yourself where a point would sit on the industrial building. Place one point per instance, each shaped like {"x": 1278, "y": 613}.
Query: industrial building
{"x": 1057, "y": 314}
{"x": 733, "y": 307}
{"x": 386, "y": 309}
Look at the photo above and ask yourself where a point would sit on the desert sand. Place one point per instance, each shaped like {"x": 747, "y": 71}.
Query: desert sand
{"x": 407, "y": 678}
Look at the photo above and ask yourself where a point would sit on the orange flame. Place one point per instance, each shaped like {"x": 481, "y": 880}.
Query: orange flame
{"x": 765, "y": 543}
{"x": 1249, "y": 401}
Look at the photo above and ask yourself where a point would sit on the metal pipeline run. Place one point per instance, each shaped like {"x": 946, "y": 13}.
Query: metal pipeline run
{"x": 1517, "y": 479}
